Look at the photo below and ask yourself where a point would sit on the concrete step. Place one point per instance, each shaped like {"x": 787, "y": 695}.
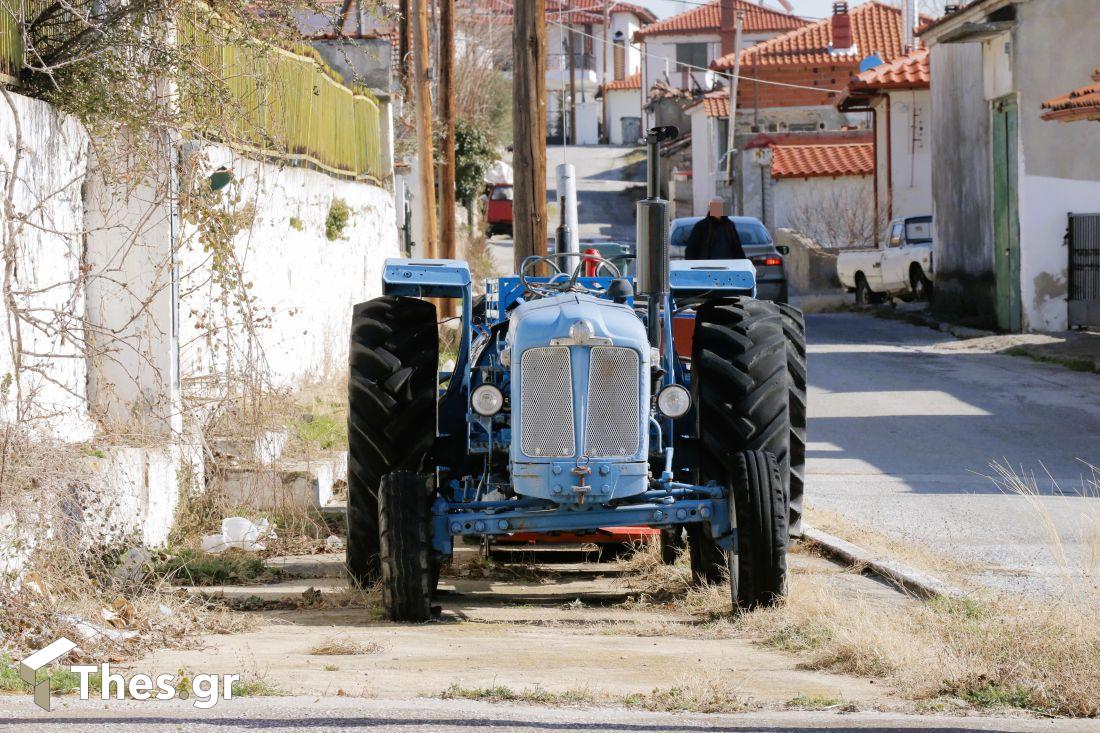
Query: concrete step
{"x": 282, "y": 484}
{"x": 265, "y": 448}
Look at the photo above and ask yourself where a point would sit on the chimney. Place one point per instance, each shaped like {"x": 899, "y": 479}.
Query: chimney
{"x": 727, "y": 26}
{"x": 841, "y": 27}
{"x": 908, "y": 25}
{"x": 951, "y": 8}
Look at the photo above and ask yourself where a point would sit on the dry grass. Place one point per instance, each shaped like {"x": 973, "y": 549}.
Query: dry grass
{"x": 659, "y": 584}
{"x": 987, "y": 650}
{"x": 342, "y": 646}
{"x": 482, "y": 266}
{"x": 692, "y": 696}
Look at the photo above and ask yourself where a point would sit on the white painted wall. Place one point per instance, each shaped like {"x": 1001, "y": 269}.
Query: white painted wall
{"x": 47, "y": 191}
{"x": 303, "y": 282}
{"x": 622, "y": 103}
{"x": 911, "y": 153}
{"x": 788, "y": 193}
{"x": 703, "y": 161}
{"x": 1045, "y": 205}
{"x": 661, "y": 57}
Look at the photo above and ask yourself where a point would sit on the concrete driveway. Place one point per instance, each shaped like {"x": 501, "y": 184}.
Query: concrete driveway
{"x": 905, "y": 424}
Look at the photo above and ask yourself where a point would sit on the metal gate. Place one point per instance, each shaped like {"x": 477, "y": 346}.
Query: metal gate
{"x": 1083, "y": 238}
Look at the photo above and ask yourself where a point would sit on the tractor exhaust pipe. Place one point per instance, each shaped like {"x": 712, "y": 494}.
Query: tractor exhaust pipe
{"x": 651, "y": 251}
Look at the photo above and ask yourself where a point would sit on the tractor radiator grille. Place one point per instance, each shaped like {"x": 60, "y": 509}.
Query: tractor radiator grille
{"x": 613, "y": 426}
{"x": 546, "y": 403}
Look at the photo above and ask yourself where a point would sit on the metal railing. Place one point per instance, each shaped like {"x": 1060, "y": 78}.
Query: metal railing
{"x": 1083, "y": 240}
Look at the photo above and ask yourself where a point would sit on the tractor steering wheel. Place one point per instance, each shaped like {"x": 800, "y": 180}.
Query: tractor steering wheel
{"x": 556, "y": 285}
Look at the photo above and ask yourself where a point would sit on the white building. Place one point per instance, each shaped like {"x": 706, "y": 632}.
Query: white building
{"x": 1006, "y": 183}
{"x": 897, "y": 96}
{"x": 698, "y": 36}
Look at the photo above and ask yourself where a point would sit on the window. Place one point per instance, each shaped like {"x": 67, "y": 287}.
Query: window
{"x": 895, "y": 235}
{"x": 691, "y": 53}
{"x": 919, "y": 231}
{"x": 502, "y": 193}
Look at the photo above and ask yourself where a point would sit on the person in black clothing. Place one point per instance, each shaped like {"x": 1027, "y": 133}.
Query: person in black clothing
{"x": 715, "y": 237}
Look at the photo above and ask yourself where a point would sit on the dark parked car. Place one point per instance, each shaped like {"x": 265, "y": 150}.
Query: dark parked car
{"x": 771, "y": 279}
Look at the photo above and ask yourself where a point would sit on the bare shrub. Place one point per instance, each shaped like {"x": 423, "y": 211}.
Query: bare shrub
{"x": 838, "y": 218}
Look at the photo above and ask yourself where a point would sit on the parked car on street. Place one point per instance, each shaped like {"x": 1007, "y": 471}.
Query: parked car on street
{"x": 498, "y": 213}
{"x": 900, "y": 265}
{"x": 771, "y": 278}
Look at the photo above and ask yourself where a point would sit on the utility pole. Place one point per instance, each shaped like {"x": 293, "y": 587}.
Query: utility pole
{"x": 403, "y": 49}
{"x": 425, "y": 160}
{"x": 529, "y": 129}
{"x": 732, "y": 124}
{"x": 572, "y": 78}
{"x": 447, "y": 112}
{"x": 603, "y": 73}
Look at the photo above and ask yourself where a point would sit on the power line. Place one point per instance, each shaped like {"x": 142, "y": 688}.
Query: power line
{"x": 682, "y": 65}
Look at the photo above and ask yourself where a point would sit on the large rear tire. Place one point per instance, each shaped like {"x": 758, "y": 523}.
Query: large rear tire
{"x": 404, "y": 512}
{"x": 393, "y": 364}
{"x": 740, "y": 386}
{"x": 794, "y": 330}
{"x": 758, "y": 570}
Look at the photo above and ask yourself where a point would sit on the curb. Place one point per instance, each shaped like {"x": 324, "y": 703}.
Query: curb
{"x": 905, "y": 577}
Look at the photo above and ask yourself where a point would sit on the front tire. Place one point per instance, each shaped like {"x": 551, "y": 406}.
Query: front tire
{"x": 794, "y": 330}
{"x": 920, "y": 284}
{"x": 758, "y": 570}
{"x": 404, "y": 513}
{"x": 741, "y": 389}
{"x": 393, "y": 363}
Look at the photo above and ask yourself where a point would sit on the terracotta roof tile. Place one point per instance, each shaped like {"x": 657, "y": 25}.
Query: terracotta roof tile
{"x": 816, "y": 161}
{"x": 634, "y": 81}
{"x": 715, "y": 104}
{"x": 912, "y": 71}
{"x": 706, "y": 18}
{"x": 876, "y": 28}
{"x": 1080, "y": 104}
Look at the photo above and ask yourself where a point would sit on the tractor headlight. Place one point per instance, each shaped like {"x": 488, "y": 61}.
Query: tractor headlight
{"x": 674, "y": 401}
{"x": 487, "y": 400}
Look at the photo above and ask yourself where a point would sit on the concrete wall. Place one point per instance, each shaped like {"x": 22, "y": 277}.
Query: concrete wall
{"x": 961, "y": 182}
{"x": 910, "y": 164}
{"x": 703, "y": 160}
{"x": 622, "y": 103}
{"x": 47, "y": 249}
{"x": 304, "y": 284}
{"x": 365, "y": 62}
{"x": 787, "y": 194}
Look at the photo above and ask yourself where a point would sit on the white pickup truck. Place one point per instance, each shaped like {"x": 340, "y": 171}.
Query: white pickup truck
{"x": 900, "y": 265}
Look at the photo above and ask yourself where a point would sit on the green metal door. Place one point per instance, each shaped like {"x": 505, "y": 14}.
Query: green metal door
{"x": 1006, "y": 215}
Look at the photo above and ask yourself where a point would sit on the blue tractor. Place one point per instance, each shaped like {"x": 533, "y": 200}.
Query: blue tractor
{"x": 572, "y": 406}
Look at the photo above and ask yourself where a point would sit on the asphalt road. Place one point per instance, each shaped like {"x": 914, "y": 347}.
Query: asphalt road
{"x": 904, "y": 432}
{"x": 607, "y": 181}
{"x": 436, "y": 716}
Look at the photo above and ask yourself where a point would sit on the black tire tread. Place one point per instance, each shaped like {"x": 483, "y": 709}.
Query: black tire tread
{"x": 794, "y": 330}
{"x": 404, "y": 511}
{"x": 740, "y": 386}
{"x": 392, "y": 370}
{"x": 758, "y": 573}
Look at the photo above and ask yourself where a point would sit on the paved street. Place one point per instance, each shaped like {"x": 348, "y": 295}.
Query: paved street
{"x": 905, "y": 424}
{"x": 438, "y": 716}
{"x": 605, "y": 175}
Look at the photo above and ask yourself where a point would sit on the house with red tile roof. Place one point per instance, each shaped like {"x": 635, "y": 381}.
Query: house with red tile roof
{"x": 787, "y": 175}
{"x": 1007, "y": 184}
{"x": 680, "y": 48}
{"x": 1082, "y": 103}
{"x": 791, "y": 83}
{"x": 622, "y": 103}
{"x": 898, "y": 97}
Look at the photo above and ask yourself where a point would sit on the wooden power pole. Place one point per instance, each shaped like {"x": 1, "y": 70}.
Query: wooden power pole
{"x": 529, "y": 129}
{"x": 424, "y": 124}
{"x": 403, "y": 49}
{"x": 447, "y": 112}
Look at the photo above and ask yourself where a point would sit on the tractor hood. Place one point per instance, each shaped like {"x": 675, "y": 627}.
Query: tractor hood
{"x": 580, "y": 399}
